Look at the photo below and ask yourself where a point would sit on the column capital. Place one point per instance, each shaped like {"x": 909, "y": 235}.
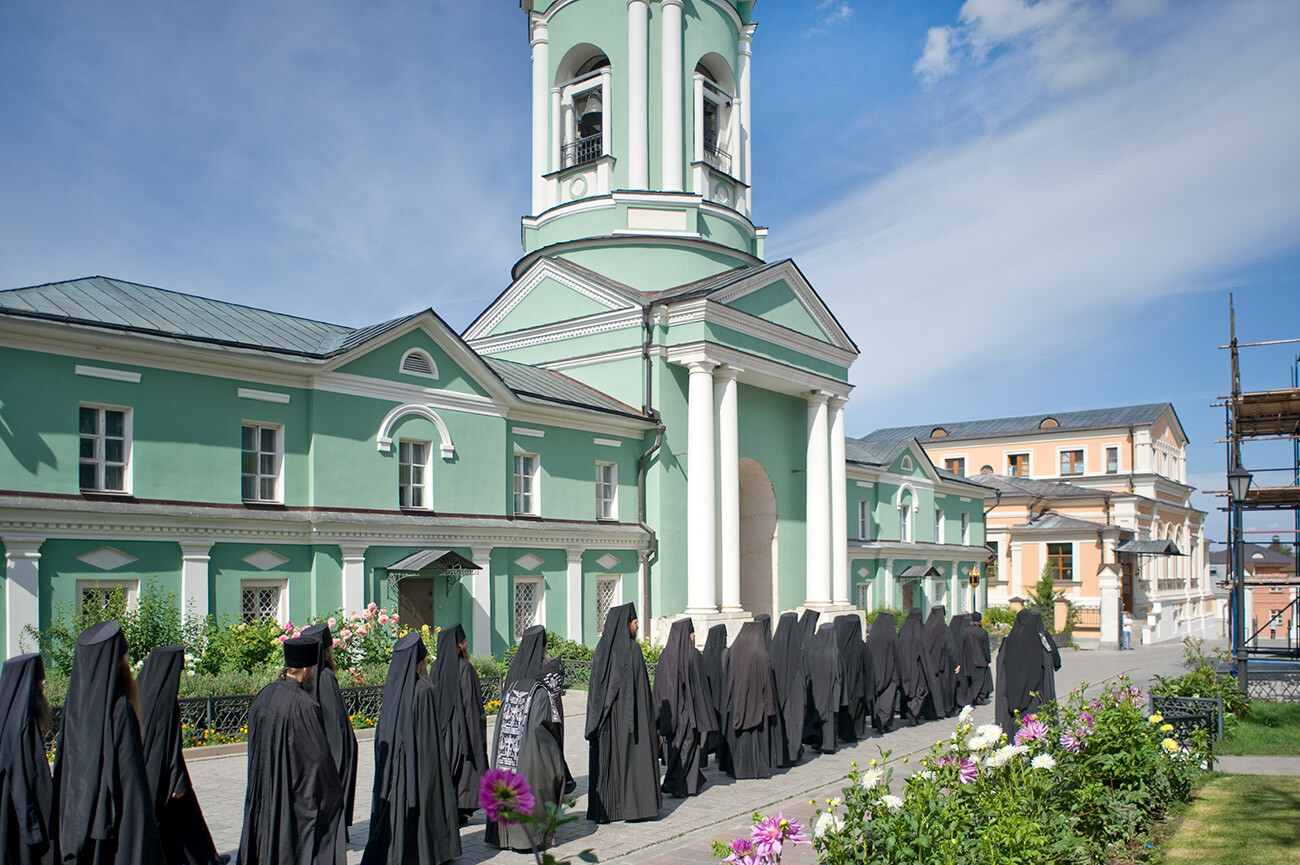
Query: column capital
{"x": 727, "y": 372}
{"x": 677, "y": 3}
{"x": 353, "y": 551}
{"x": 480, "y": 552}
{"x": 194, "y": 549}
{"x": 540, "y": 35}
{"x": 22, "y": 546}
{"x": 701, "y": 366}
{"x": 573, "y": 555}
{"x": 837, "y": 402}
{"x": 642, "y": 2}
{"x": 818, "y": 397}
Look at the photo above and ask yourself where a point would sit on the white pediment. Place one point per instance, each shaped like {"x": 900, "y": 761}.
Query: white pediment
{"x": 549, "y": 275}
{"x": 265, "y": 560}
{"x": 608, "y": 561}
{"x": 528, "y": 562}
{"x": 106, "y": 558}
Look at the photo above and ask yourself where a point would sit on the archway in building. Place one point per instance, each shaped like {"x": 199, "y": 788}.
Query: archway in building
{"x": 757, "y": 539}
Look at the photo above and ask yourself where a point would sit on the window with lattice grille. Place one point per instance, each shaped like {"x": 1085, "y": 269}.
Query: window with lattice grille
{"x": 96, "y": 597}
{"x": 259, "y": 602}
{"x": 864, "y": 596}
{"x": 528, "y": 602}
{"x": 607, "y": 598}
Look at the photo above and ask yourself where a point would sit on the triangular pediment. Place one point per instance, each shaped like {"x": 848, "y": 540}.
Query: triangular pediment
{"x": 551, "y": 291}
{"x": 781, "y": 295}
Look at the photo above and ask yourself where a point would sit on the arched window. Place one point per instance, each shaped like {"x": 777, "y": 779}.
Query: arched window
{"x": 418, "y": 362}
{"x": 1048, "y": 423}
{"x": 986, "y": 470}
{"x": 583, "y": 79}
{"x": 938, "y": 433}
{"x": 905, "y": 515}
{"x": 907, "y": 463}
{"x": 716, "y": 133}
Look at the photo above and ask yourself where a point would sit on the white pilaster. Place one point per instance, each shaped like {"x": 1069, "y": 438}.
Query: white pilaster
{"x": 889, "y": 583}
{"x": 354, "y": 576}
{"x": 1014, "y": 579}
{"x": 839, "y": 505}
{"x": 194, "y": 578}
{"x": 1109, "y": 590}
{"x": 745, "y": 58}
{"x": 573, "y": 594}
{"x": 724, "y": 389}
{"x": 701, "y": 529}
{"x": 954, "y": 598}
{"x": 638, "y": 99}
{"x": 818, "y": 519}
{"x": 541, "y": 104}
{"x": 671, "y": 54}
{"x": 22, "y": 589}
{"x": 643, "y": 594}
{"x": 557, "y": 145}
{"x": 481, "y": 591}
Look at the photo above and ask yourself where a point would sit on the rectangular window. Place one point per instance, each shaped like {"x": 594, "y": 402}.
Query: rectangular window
{"x": 956, "y": 465}
{"x": 527, "y": 604}
{"x": 992, "y": 574}
{"x": 526, "y": 493}
{"x": 608, "y": 596}
{"x": 965, "y": 529}
{"x": 1062, "y": 556}
{"x": 1018, "y": 465}
{"x": 412, "y": 474}
{"x": 905, "y": 523}
{"x": 864, "y": 520}
{"x": 105, "y": 449}
{"x": 261, "y": 600}
{"x": 1072, "y": 462}
{"x": 106, "y": 597}
{"x": 864, "y": 596}
{"x": 1112, "y": 460}
{"x": 938, "y": 526}
{"x": 260, "y": 463}
{"x": 606, "y": 491}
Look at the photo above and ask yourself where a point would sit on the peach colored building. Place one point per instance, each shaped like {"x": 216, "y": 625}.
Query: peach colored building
{"x": 1271, "y": 590}
{"x": 1103, "y": 495}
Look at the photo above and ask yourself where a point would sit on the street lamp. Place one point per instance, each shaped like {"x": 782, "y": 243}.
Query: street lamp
{"x": 1238, "y": 485}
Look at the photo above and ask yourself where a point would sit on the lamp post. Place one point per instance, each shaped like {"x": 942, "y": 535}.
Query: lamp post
{"x": 1238, "y": 485}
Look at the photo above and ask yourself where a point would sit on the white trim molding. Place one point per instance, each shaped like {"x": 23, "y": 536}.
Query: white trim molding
{"x": 262, "y": 395}
{"x": 110, "y": 374}
{"x": 384, "y": 438}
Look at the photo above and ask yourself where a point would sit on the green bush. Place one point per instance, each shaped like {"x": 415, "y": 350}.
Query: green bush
{"x": 1000, "y": 616}
{"x": 1204, "y": 680}
{"x": 900, "y": 617}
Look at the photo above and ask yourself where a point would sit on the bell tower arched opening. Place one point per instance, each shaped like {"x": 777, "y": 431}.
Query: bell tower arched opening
{"x": 758, "y": 539}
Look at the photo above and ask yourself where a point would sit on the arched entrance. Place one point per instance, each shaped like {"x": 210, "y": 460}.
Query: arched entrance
{"x": 757, "y": 539}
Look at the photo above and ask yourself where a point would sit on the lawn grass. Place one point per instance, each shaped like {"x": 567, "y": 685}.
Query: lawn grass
{"x": 1239, "y": 820}
{"x": 1270, "y": 728}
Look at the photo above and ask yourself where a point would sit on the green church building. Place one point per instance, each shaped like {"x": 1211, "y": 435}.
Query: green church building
{"x": 648, "y": 412}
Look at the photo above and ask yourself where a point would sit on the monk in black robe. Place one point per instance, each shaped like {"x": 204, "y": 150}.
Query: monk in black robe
{"x": 942, "y": 657}
{"x": 1026, "y": 672}
{"x": 852, "y": 715}
{"x": 715, "y": 656}
{"x": 338, "y": 723}
{"x": 808, "y": 630}
{"x": 985, "y": 689}
{"x": 913, "y": 668}
{"x": 970, "y": 661}
{"x": 413, "y": 818}
{"x": 26, "y": 790}
{"x": 462, "y": 719}
{"x": 791, "y": 687}
{"x": 102, "y": 804}
{"x": 623, "y": 753}
{"x": 1049, "y": 681}
{"x": 185, "y": 836}
{"x": 826, "y": 690}
{"x": 528, "y": 739}
{"x": 552, "y": 676}
{"x": 293, "y": 803}
{"x": 683, "y": 710}
{"x": 882, "y": 652}
{"x": 750, "y": 716}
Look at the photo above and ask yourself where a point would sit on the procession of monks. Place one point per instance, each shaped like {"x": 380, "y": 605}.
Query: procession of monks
{"x": 120, "y": 793}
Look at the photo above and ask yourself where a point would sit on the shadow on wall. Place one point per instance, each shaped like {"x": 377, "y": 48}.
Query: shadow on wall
{"x": 27, "y": 446}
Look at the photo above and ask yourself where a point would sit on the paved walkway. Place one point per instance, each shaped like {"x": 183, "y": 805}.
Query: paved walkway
{"x": 685, "y": 827}
{"x": 1257, "y": 764}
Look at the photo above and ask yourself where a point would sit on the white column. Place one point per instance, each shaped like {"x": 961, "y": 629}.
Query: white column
{"x": 22, "y": 590}
{"x": 643, "y": 595}
{"x": 818, "y": 519}
{"x": 194, "y": 579}
{"x": 701, "y": 540}
{"x": 573, "y": 594}
{"x": 557, "y": 145}
{"x": 839, "y": 505}
{"x": 724, "y": 390}
{"x": 541, "y": 104}
{"x": 481, "y": 591}
{"x": 354, "y": 576}
{"x": 745, "y": 58}
{"x": 638, "y": 98}
{"x": 671, "y": 54}
{"x": 889, "y": 583}
{"x": 1014, "y": 579}
{"x": 954, "y": 599}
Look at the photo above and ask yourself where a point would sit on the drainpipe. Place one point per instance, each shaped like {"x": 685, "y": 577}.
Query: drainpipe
{"x": 643, "y": 463}
{"x": 1132, "y": 457}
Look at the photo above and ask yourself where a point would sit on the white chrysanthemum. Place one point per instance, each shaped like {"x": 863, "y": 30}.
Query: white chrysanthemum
{"x": 871, "y": 778}
{"x": 993, "y": 731}
{"x": 925, "y": 775}
{"x": 965, "y": 715}
{"x": 1004, "y": 755}
{"x": 827, "y": 824}
{"x": 892, "y": 802}
{"x": 1043, "y": 761}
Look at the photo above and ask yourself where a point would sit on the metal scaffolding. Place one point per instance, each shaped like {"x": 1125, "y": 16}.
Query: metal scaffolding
{"x": 1264, "y": 668}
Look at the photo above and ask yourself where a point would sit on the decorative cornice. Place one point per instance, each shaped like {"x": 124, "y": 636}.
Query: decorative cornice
{"x": 544, "y": 269}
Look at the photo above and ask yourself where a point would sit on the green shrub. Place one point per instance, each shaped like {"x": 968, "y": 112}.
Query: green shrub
{"x": 1204, "y": 680}
{"x": 900, "y": 617}
{"x": 1000, "y": 616}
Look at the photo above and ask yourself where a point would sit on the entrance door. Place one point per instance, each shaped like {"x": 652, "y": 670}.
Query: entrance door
{"x": 416, "y": 601}
{"x": 757, "y": 539}
{"x": 909, "y": 596}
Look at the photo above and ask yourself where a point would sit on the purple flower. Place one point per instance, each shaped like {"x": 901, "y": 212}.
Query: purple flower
{"x": 1031, "y": 732}
{"x": 771, "y": 833}
{"x": 968, "y": 770}
{"x": 943, "y": 762}
{"x": 1071, "y": 742}
{"x": 503, "y": 790}
{"x": 742, "y": 852}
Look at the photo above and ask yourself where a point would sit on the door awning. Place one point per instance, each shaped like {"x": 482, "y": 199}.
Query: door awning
{"x": 916, "y": 572}
{"x": 433, "y": 560}
{"x": 1149, "y": 548}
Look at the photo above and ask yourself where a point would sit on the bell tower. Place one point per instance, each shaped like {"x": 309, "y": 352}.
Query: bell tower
{"x": 641, "y": 123}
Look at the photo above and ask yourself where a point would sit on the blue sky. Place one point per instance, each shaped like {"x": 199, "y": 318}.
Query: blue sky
{"x": 1013, "y": 207}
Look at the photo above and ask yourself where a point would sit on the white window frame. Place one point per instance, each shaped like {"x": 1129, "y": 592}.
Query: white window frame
{"x": 906, "y": 465}
{"x": 906, "y": 512}
{"x": 864, "y": 519}
{"x": 607, "y": 508}
{"x": 940, "y": 524}
{"x": 425, "y": 467}
{"x": 539, "y": 615}
{"x": 279, "y": 461}
{"x": 965, "y": 528}
{"x": 282, "y": 608}
{"x": 534, "y": 495}
{"x": 1083, "y": 462}
{"x": 131, "y": 587}
{"x": 428, "y": 358}
{"x": 865, "y": 589}
{"x": 1106, "y": 461}
{"x": 128, "y": 447}
{"x": 965, "y": 461}
{"x": 708, "y": 90}
{"x": 597, "y": 79}
{"x": 1006, "y": 462}
{"x": 615, "y": 601}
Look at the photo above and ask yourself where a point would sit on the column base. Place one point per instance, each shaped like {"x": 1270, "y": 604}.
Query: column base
{"x": 706, "y": 619}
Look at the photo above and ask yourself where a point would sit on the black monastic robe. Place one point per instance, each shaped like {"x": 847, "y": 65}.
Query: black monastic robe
{"x": 791, "y": 687}
{"x": 852, "y": 715}
{"x": 461, "y": 717}
{"x": 942, "y": 655}
{"x": 684, "y": 712}
{"x": 413, "y": 816}
{"x": 750, "y": 717}
{"x": 913, "y": 667}
{"x": 185, "y": 836}
{"x": 715, "y": 656}
{"x": 1026, "y": 672}
{"x": 552, "y": 676}
{"x": 623, "y": 755}
{"x": 986, "y": 687}
{"x": 338, "y": 723}
{"x": 882, "y": 652}
{"x": 103, "y": 808}
{"x": 26, "y": 789}
{"x": 826, "y": 691}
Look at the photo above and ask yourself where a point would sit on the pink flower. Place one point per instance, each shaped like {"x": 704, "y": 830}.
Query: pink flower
{"x": 394, "y": 617}
{"x": 383, "y": 618}
{"x": 332, "y": 621}
{"x": 288, "y": 627}
{"x": 1071, "y": 743}
{"x": 771, "y": 834}
{"x": 503, "y": 790}
{"x": 345, "y": 635}
{"x": 366, "y": 614}
{"x": 361, "y": 630}
{"x": 742, "y": 852}
{"x": 1031, "y": 732}
{"x": 372, "y": 606}
{"x": 968, "y": 770}
{"x": 283, "y": 637}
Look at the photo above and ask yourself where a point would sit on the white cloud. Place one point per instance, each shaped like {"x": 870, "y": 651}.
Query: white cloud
{"x": 1040, "y": 233}
{"x": 936, "y": 59}
{"x": 829, "y": 14}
